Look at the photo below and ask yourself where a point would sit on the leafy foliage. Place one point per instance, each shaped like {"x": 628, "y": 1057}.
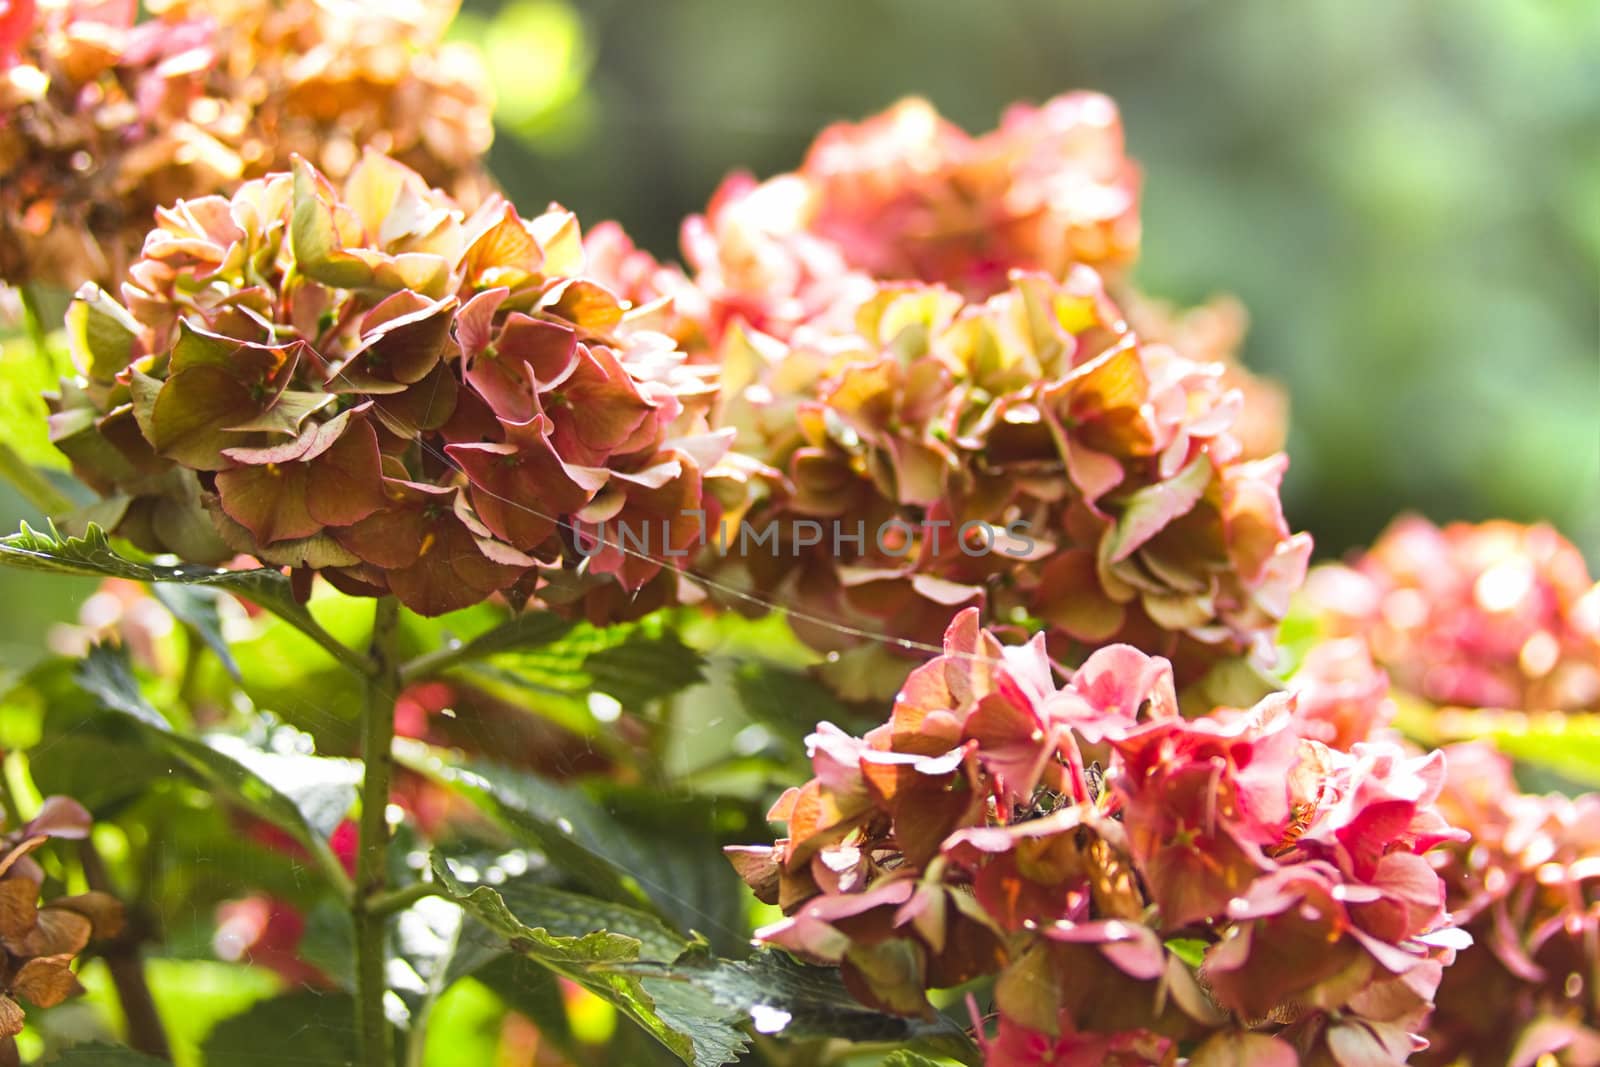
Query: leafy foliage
{"x": 582, "y": 838}
{"x": 304, "y": 795}
{"x": 301, "y": 1027}
{"x": 93, "y": 555}
{"x": 589, "y": 943}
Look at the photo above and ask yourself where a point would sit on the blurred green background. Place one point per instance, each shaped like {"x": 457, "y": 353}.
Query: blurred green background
{"x": 1405, "y": 196}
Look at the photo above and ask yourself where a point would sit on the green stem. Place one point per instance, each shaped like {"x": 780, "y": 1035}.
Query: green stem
{"x": 377, "y": 752}
{"x": 8, "y": 801}
{"x": 662, "y": 731}
{"x": 432, "y": 664}
{"x": 392, "y": 901}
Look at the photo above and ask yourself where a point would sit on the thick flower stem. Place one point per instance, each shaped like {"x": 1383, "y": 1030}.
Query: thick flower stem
{"x": 123, "y": 959}
{"x": 377, "y": 742}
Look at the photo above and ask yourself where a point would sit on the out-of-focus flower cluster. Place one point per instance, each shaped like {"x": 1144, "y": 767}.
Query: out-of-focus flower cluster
{"x": 104, "y": 117}
{"x": 906, "y": 196}
{"x": 1029, "y": 453}
{"x": 1527, "y": 887}
{"x": 1135, "y": 880}
{"x": 1485, "y": 623}
{"x": 38, "y": 942}
{"x": 367, "y": 382}
{"x": 1496, "y": 615}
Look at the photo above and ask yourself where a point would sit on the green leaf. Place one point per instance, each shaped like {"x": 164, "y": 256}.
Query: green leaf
{"x": 679, "y": 858}
{"x": 274, "y": 775}
{"x": 106, "y": 674}
{"x": 682, "y": 1017}
{"x": 93, "y": 555}
{"x": 635, "y": 663}
{"x": 1233, "y": 683}
{"x": 98, "y": 1055}
{"x": 432, "y": 945}
{"x": 26, "y": 375}
{"x": 1560, "y": 744}
{"x": 781, "y": 996}
{"x": 101, "y": 333}
{"x": 581, "y": 838}
{"x": 644, "y": 667}
{"x": 903, "y": 1058}
{"x": 287, "y": 1031}
{"x": 554, "y": 667}
{"x": 560, "y": 912}
{"x": 562, "y": 822}
{"x": 791, "y": 701}
{"x": 531, "y": 629}
{"x": 1190, "y": 950}
{"x": 98, "y": 771}
{"x": 487, "y": 959}
{"x": 687, "y": 1009}
{"x": 197, "y": 608}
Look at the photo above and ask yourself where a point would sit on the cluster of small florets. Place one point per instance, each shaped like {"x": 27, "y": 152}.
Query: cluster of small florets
{"x": 1342, "y": 696}
{"x": 105, "y": 117}
{"x": 1527, "y": 888}
{"x": 369, "y": 383}
{"x": 1501, "y": 618}
{"x": 39, "y": 942}
{"x": 1030, "y": 454}
{"x": 906, "y": 196}
{"x": 1138, "y": 883}
{"x": 1496, "y": 615}
{"x": 914, "y": 333}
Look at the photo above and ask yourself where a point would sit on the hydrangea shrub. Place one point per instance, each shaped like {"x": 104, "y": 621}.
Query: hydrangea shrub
{"x": 106, "y": 116}
{"x": 476, "y": 586}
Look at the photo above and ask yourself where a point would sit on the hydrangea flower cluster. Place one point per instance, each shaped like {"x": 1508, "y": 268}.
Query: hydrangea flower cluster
{"x": 1141, "y": 885}
{"x": 912, "y": 331}
{"x": 1214, "y": 332}
{"x": 38, "y": 943}
{"x": 1492, "y": 616}
{"x": 1496, "y": 615}
{"x": 104, "y": 118}
{"x": 1527, "y": 888}
{"x": 1029, "y": 453}
{"x": 367, "y": 382}
{"x": 906, "y": 195}
{"x": 1342, "y": 696}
